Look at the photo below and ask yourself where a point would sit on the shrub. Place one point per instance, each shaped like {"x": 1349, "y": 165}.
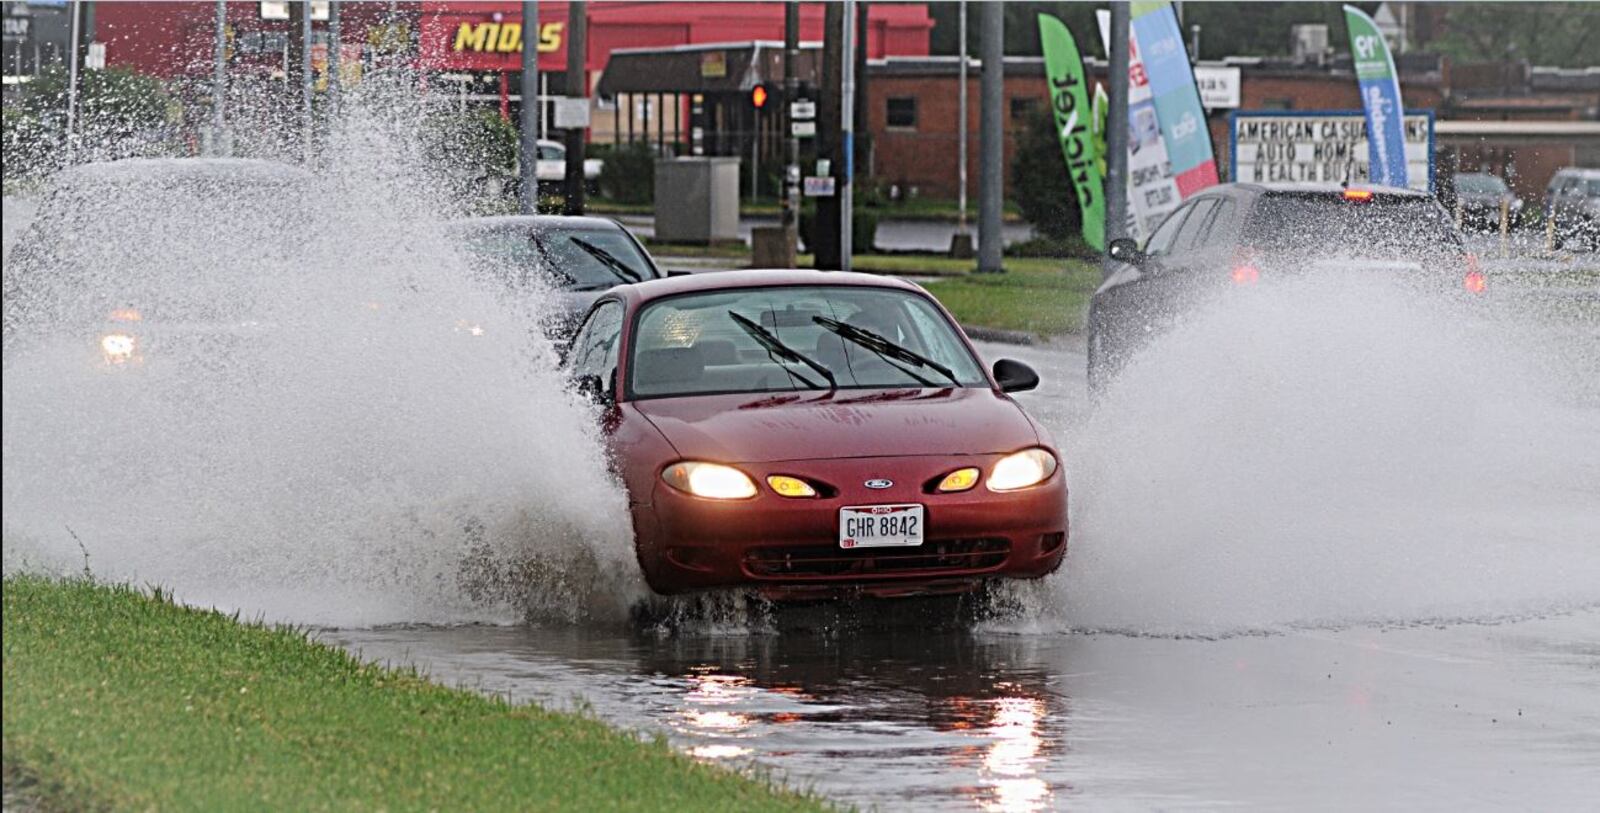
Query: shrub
{"x": 863, "y": 229}
{"x": 629, "y": 172}
{"x": 1039, "y": 180}
{"x": 121, "y": 114}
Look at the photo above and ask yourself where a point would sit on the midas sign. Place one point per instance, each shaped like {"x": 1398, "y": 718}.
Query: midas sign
{"x": 504, "y": 38}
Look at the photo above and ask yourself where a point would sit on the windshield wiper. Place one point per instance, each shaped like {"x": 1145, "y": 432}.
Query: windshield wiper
{"x": 886, "y": 349}
{"x": 775, "y": 347}
{"x": 607, "y": 259}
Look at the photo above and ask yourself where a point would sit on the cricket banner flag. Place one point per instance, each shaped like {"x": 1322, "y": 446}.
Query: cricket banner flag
{"x": 1380, "y": 96}
{"x": 1069, "y": 102}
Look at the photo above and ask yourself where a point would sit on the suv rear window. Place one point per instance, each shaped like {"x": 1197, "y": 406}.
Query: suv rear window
{"x": 1385, "y": 224}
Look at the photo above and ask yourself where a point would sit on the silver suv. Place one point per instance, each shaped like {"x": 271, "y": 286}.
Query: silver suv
{"x": 1573, "y": 201}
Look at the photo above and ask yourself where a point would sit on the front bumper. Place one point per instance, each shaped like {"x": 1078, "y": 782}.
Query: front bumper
{"x": 789, "y": 549}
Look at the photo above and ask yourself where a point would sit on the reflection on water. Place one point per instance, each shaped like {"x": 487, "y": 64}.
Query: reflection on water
{"x": 955, "y": 720}
{"x": 921, "y": 719}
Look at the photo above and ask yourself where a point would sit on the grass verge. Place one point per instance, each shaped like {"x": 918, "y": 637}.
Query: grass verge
{"x": 119, "y": 700}
{"x": 1039, "y": 296}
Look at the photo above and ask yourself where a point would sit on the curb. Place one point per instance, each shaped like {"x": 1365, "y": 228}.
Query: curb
{"x": 993, "y": 334}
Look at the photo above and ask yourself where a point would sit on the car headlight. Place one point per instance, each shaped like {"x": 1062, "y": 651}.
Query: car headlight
{"x": 118, "y": 347}
{"x": 710, "y": 480}
{"x": 1028, "y": 467}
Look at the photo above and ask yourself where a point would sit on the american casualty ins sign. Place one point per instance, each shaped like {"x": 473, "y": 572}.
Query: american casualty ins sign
{"x": 1323, "y": 146}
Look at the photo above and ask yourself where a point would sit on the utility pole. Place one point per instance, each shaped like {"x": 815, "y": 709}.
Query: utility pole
{"x": 577, "y": 87}
{"x": 791, "y": 93}
{"x": 1116, "y": 181}
{"x": 72, "y": 81}
{"x": 219, "y": 82}
{"x": 305, "y": 80}
{"x": 529, "y": 197}
{"x": 991, "y": 132}
{"x": 961, "y": 222}
{"x": 825, "y": 228}
{"x": 335, "y": 88}
{"x": 847, "y": 118}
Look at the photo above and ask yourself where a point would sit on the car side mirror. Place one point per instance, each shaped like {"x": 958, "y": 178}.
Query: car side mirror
{"x": 1014, "y": 376}
{"x": 1124, "y": 250}
{"x": 593, "y": 388}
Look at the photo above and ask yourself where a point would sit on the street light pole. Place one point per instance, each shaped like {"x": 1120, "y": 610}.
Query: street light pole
{"x": 305, "y": 82}
{"x": 847, "y": 119}
{"x": 1116, "y": 182}
{"x": 529, "y": 197}
{"x": 961, "y": 161}
{"x": 991, "y": 139}
{"x": 219, "y": 82}
{"x": 791, "y": 94}
{"x": 72, "y": 82}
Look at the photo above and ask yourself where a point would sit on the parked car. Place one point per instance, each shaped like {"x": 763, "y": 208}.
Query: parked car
{"x": 1242, "y": 236}
{"x": 1480, "y": 198}
{"x": 817, "y": 435}
{"x": 573, "y": 259}
{"x": 1572, "y": 201}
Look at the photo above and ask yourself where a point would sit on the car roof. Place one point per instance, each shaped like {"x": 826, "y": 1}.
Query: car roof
{"x": 137, "y": 169}
{"x": 1313, "y": 189}
{"x": 1576, "y": 172}
{"x": 654, "y": 289}
{"x": 540, "y": 222}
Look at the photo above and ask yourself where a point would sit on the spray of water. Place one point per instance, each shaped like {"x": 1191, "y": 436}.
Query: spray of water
{"x": 329, "y": 422}
{"x": 1323, "y": 453}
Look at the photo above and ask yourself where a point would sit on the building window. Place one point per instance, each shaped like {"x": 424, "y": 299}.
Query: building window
{"x": 1278, "y": 104}
{"x": 1021, "y": 107}
{"x": 902, "y": 112}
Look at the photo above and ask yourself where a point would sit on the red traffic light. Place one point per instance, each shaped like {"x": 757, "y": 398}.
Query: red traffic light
{"x": 758, "y": 96}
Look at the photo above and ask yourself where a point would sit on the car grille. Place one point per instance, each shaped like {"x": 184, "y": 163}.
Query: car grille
{"x": 831, "y": 563}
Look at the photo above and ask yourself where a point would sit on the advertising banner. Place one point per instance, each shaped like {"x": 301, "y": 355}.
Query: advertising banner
{"x": 1152, "y": 191}
{"x": 1380, "y": 96}
{"x": 1069, "y": 102}
{"x": 1320, "y": 146}
{"x": 1177, "y": 101}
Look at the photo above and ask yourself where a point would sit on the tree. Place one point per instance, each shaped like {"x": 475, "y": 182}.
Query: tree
{"x": 1039, "y": 182}
{"x": 1564, "y": 35}
{"x": 120, "y": 114}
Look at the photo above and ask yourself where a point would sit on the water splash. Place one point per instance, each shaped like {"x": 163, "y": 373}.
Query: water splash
{"x": 329, "y": 423}
{"x": 1323, "y": 453}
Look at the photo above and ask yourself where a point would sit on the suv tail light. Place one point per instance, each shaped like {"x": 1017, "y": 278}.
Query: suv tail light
{"x": 1245, "y": 271}
{"x": 1474, "y": 282}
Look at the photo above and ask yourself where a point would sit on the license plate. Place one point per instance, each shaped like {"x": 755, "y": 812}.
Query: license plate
{"x": 880, "y": 526}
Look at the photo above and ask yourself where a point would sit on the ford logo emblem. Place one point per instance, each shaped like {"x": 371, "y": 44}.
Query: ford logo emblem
{"x": 879, "y": 483}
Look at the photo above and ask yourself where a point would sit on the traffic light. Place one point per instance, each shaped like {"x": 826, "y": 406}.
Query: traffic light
{"x": 758, "y": 96}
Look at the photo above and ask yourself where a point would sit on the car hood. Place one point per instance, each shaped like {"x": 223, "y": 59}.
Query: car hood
{"x": 765, "y": 427}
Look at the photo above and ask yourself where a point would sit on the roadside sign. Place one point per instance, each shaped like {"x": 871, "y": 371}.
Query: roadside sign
{"x": 803, "y": 129}
{"x": 1219, "y": 86}
{"x": 95, "y": 57}
{"x": 819, "y": 187}
{"x": 803, "y": 109}
{"x": 572, "y": 112}
{"x": 1319, "y": 146}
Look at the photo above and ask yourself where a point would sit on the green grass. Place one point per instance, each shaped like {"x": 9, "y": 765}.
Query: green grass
{"x": 1040, "y": 296}
{"x": 118, "y": 700}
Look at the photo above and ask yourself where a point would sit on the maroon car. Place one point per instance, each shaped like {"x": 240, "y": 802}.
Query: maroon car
{"x": 817, "y": 434}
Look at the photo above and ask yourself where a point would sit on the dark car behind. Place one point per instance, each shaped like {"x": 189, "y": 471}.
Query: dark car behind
{"x": 570, "y": 259}
{"x": 1481, "y": 199}
{"x": 1240, "y": 236}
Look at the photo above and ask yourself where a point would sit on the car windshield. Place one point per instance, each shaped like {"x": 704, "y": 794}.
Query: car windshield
{"x": 1480, "y": 185}
{"x": 796, "y": 338}
{"x": 1383, "y": 226}
{"x": 1592, "y": 188}
{"x": 562, "y": 258}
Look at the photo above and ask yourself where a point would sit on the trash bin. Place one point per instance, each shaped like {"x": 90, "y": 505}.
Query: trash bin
{"x": 697, "y": 199}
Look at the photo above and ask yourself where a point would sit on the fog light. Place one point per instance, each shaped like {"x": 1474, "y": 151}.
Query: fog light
{"x": 959, "y": 480}
{"x": 791, "y": 486}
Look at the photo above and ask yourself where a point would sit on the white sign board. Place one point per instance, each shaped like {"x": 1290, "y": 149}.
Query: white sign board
{"x": 1219, "y": 87}
{"x": 803, "y": 110}
{"x": 572, "y": 112}
{"x": 95, "y": 57}
{"x": 822, "y": 187}
{"x": 1325, "y": 146}
{"x": 803, "y": 129}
